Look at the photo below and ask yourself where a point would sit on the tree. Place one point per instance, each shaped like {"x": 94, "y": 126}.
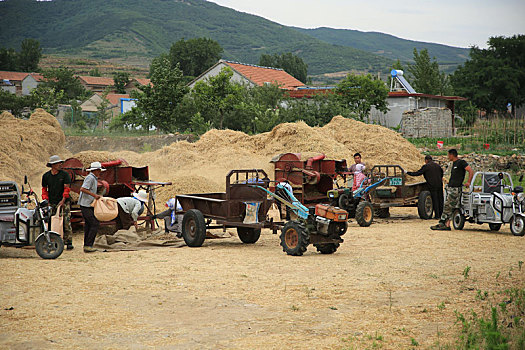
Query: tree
{"x": 426, "y": 77}
{"x": 495, "y": 76}
{"x": 63, "y": 79}
{"x": 290, "y": 63}
{"x": 102, "y": 109}
{"x": 121, "y": 79}
{"x": 195, "y": 56}
{"x": 15, "y": 104}
{"x": 47, "y": 97}
{"x": 157, "y": 104}
{"x": 8, "y": 59}
{"x": 29, "y": 56}
{"x": 360, "y": 92}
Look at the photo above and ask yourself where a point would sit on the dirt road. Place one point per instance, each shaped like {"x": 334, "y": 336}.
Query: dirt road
{"x": 388, "y": 286}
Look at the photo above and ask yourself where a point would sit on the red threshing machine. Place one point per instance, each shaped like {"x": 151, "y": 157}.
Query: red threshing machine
{"x": 119, "y": 180}
{"x": 311, "y": 179}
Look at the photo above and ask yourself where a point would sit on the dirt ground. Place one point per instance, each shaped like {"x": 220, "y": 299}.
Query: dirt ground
{"x": 387, "y": 286}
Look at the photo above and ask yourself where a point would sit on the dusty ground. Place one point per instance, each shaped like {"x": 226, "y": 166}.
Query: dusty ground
{"x": 387, "y": 284}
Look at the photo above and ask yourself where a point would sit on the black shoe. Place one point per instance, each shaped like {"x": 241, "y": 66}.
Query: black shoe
{"x": 69, "y": 246}
{"x": 440, "y": 227}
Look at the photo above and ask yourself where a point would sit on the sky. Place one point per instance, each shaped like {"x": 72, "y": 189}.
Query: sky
{"x": 452, "y": 22}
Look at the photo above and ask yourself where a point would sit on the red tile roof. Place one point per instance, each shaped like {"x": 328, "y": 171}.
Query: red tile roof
{"x": 143, "y": 81}
{"x": 261, "y": 75}
{"x": 89, "y": 80}
{"x": 13, "y": 76}
{"x": 114, "y": 99}
{"x": 38, "y": 76}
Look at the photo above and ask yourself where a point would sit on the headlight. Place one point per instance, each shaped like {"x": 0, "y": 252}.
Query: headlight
{"x": 521, "y": 196}
{"x": 342, "y": 217}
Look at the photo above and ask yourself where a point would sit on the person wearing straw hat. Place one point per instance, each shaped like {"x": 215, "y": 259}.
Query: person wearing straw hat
{"x": 129, "y": 209}
{"x": 88, "y": 193}
{"x": 55, "y": 188}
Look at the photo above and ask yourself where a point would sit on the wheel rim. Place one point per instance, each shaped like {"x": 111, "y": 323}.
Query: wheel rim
{"x": 49, "y": 247}
{"x": 517, "y": 224}
{"x": 367, "y": 214}
{"x": 457, "y": 219}
{"x": 191, "y": 228}
{"x": 291, "y": 238}
{"x": 428, "y": 205}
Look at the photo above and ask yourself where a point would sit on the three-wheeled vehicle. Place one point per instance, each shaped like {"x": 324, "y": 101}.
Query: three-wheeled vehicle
{"x": 22, "y": 226}
{"x": 492, "y": 199}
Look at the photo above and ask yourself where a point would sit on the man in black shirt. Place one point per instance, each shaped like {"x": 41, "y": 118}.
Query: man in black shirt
{"x": 55, "y": 188}
{"x": 433, "y": 174}
{"x": 454, "y": 188}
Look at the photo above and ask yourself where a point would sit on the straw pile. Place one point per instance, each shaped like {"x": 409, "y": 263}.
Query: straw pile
{"x": 25, "y": 145}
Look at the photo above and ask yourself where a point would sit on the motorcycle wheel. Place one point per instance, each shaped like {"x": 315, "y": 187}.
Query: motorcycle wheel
{"x": 52, "y": 249}
{"x": 517, "y": 225}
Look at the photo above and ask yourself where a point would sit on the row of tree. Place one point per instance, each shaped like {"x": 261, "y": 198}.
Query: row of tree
{"x": 24, "y": 60}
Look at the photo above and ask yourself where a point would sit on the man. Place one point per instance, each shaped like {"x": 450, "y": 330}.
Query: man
{"x": 88, "y": 193}
{"x": 357, "y": 170}
{"x": 172, "y": 220}
{"x": 55, "y": 188}
{"x": 454, "y": 188}
{"x": 433, "y": 175}
{"x": 129, "y": 209}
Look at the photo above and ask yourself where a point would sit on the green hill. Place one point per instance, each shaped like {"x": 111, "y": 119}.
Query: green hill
{"x": 134, "y": 31}
{"x": 387, "y": 45}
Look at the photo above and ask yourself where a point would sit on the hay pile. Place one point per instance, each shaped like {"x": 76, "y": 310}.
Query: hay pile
{"x": 203, "y": 165}
{"x": 25, "y": 145}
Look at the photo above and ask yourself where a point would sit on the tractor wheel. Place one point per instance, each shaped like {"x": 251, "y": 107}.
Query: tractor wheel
{"x": 328, "y": 248}
{"x": 337, "y": 228}
{"x": 383, "y": 213}
{"x": 248, "y": 235}
{"x": 344, "y": 201}
{"x": 424, "y": 205}
{"x": 458, "y": 220}
{"x": 364, "y": 214}
{"x": 193, "y": 228}
{"x": 51, "y": 249}
{"x": 517, "y": 225}
{"x": 494, "y": 227}
{"x": 294, "y": 238}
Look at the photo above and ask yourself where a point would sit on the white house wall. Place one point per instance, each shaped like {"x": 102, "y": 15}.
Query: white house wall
{"x": 28, "y": 84}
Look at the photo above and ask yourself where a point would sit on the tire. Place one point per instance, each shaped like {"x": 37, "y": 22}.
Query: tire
{"x": 364, "y": 214}
{"x": 248, "y": 235}
{"x": 383, "y": 213}
{"x": 424, "y": 205}
{"x": 337, "y": 228}
{"x": 294, "y": 238}
{"x": 51, "y": 250}
{"x": 344, "y": 201}
{"x": 494, "y": 227}
{"x": 517, "y": 225}
{"x": 458, "y": 220}
{"x": 193, "y": 228}
{"x": 328, "y": 248}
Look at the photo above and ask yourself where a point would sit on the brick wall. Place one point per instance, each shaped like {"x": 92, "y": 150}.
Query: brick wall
{"x": 427, "y": 122}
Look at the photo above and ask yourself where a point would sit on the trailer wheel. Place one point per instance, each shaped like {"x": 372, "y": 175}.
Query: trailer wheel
{"x": 364, "y": 214}
{"x": 458, "y": 220}
{"x": 383, "y": 213}
{"x": 193, "y": 228}
{"x": 494, "y": 227}
{"x": 424, "y": 205}
{"x": 328, "y": 248}
{"x": 517, "y": 225}
{"x": 51, "y": 249}
{"x": 294, "y": 238}
{"x": 248, "y": 235}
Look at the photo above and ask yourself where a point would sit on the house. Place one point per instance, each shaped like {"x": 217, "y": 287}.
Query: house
{"x": 30, "y": 82}
{"x": 117, "y": 104}
{"x": 251, "y": 75}
{"x": 12, "y": 81}
{"x": 96, "y": 84}
{"x": 403, "y": 100}
{"x": 134, "y": 84}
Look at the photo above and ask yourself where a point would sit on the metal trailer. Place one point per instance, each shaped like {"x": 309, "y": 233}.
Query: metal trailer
{"x": 9, "y": 204}
{"x": 222, "y": 210}
{"x": 395, "y": 192}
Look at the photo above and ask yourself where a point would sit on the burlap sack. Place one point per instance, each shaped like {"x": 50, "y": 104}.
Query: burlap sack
{"x": 57, "y": 222}
{"x": 106, "y": 209}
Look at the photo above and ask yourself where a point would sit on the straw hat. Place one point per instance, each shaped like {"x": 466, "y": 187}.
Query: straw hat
{"x": 141, "y": 196}
{"x": 95, "y": 166}
{"x": 54, "y": 160}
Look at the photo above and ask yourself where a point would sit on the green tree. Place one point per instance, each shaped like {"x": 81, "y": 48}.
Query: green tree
{"x": 425, "y": 75}
{"x": 121, "y": 79}
{"x": 290, "y": 63}
{"x": 103, "y": 109}
{"x": 495, "y": 76}
{"x": 157, "y": 105}
{"x": 359, "y": 93}
{"x": 195, "y": 56}
{"x": 8, "y": 59}
{"x": 15, "y": 104}
{"x": 29, "y": 56}
{"x": 47, "y": 97}
{"x": 63, "y": 79}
